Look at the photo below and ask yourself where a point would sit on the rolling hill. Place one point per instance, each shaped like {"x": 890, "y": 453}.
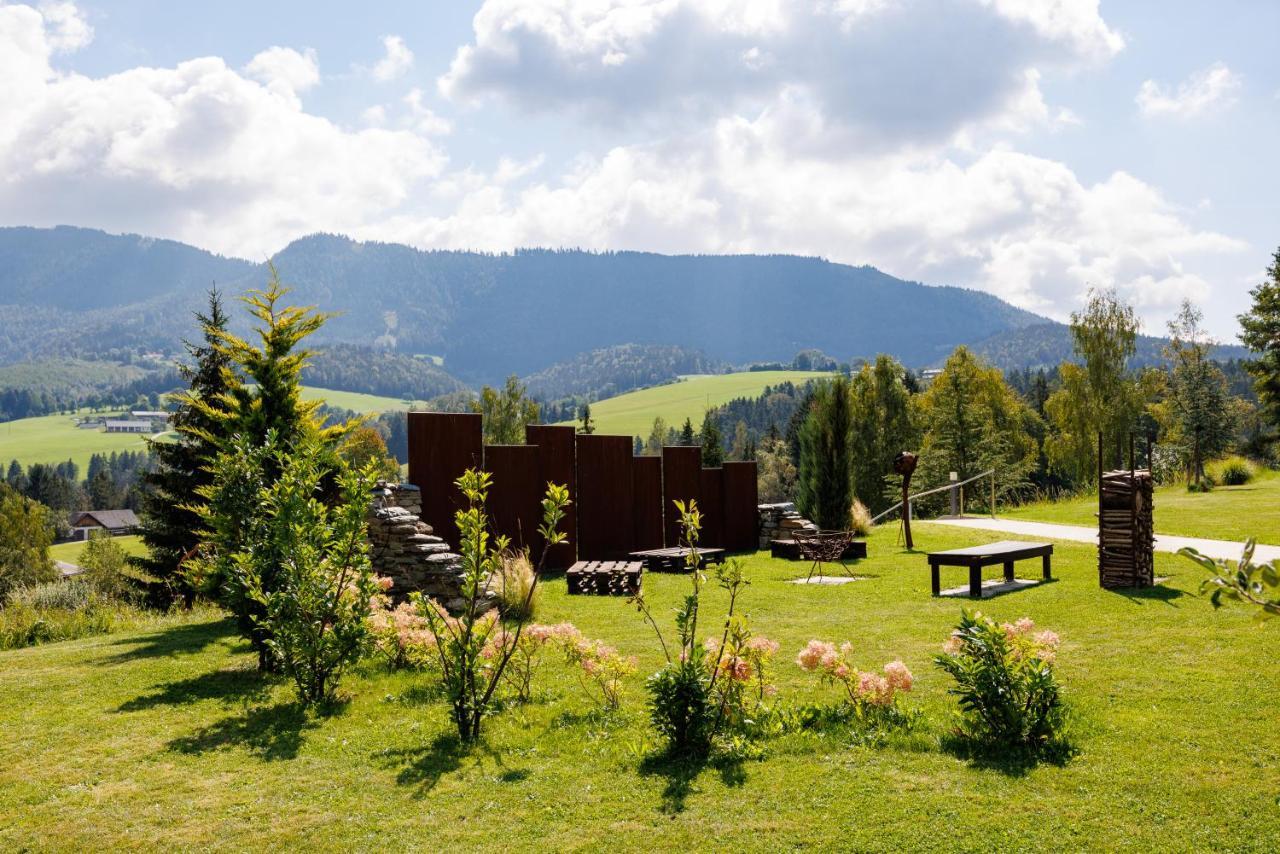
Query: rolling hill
{"x": 632, "y": 414}
{"x": 488, "y": 315}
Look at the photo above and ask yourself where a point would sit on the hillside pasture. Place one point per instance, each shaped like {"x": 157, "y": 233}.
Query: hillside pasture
{"x": 632, "y": 414}
{"x": 131, "y": 729}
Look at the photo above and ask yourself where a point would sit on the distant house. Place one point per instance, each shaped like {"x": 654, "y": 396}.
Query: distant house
{"x": 142, "y": 415}
{"x": 128, "y": 426}
{"x": 90, "y": 424}
{"x": 928, "y": 375}
{"x": 114, "y": 522}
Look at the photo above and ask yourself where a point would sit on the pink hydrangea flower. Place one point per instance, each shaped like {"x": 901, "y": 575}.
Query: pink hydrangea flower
{"x": 763, "y": 645}
{"x": 1048, "y": 638}
{"x": 953, "y": 645}
{"x": 815, "y": 654}
{"x": 899, "y": 676}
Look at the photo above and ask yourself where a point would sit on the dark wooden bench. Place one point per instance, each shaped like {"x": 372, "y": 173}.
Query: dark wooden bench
{"x": 604, "y": 577}
{"x": 976, "y": 557}
{"x": 675, "y": 558}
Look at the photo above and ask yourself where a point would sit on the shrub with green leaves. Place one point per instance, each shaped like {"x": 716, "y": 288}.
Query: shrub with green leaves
{"x": 1233, "y": 471}
{"x": 1256, "y": 584}
{"x": 470, "y": 676}
{"x": 705, "y": 686}
{"x": 315, "y": 609}
{"x": 1009, "y": 697}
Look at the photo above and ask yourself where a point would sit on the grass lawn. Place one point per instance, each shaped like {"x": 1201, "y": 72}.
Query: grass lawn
{"x": 167, "y": 739}
{"x": 55, "y": 439}
{"x": 632, "y": 414}
{"x": 70, "y": 552}
{"x": 1226, "y": 513}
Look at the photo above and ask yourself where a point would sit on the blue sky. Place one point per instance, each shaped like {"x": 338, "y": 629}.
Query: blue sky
{"x": 1030, "y": 148}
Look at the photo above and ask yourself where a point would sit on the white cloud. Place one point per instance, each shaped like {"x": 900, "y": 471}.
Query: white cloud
{"x": 890, "y": 73}
{"x": 198, "y": 152}
{"x": 423, "y": 118}
{"x": 397, "y": 60}
{"x": 67, "y": 28}
{"x": 285, "y": 70}
{"x": 1211, "y": 88}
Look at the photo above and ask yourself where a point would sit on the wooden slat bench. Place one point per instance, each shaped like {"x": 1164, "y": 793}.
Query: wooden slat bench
{"x": 675, "y": 559}
{"x": 604, "y": 577}
{"x": 976, "y": 557}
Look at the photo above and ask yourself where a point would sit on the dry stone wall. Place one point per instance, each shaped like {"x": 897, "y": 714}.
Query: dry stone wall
{"x": 406, "y": 550}
{"x": 778, "y": 521}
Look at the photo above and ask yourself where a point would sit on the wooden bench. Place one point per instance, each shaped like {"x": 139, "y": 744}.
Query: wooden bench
{"x": 604, "y": 577}
{"x": 976, "y": 557}
{"x": 675, "y": 559}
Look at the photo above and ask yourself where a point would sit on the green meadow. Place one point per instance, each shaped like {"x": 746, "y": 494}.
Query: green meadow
{"x": 167, "y": 739}
{"x": 632, "y": 414}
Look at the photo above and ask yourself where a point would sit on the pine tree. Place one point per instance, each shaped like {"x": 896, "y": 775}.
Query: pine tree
{"x": 170, "y": 525}
{"x": 1261, "y": 333}
{"x": 712, "y": 441}
{"x": 587, "y": 426}
{"x": 686, "y": 433}
{"x": 823, "y": 490}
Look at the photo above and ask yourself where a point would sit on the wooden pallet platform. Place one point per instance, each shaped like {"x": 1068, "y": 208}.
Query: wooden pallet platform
{"x": 604, "y": 577}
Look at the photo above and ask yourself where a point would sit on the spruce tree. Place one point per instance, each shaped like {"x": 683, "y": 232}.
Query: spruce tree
{"x": 170, "y": 525}
{"x": 823, "y": 489}
{"x": 1261, "y": 333}
{"x": 712, "y": 441}
{"x": 686, "y": 433}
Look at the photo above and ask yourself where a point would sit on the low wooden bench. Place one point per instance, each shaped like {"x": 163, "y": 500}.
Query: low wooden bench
{"x": 604, "y": 577}
{"x": 976, "y": 557}
{"x": 675, "y": 559}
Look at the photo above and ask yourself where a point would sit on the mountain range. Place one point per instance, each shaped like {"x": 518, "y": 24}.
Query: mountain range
{"x": 73, "y": 292}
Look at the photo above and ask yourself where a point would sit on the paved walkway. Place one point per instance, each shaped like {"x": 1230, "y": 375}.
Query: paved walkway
{"x": 1080, "y": 534}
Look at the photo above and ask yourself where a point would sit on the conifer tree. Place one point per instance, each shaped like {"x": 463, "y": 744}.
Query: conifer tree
{"x": 170, "y": 524}
{"x": 823, "y": 490}
{"x": 1261, "y": 333}
{"x": 686, "y": 433}
{"x": 712, "y": 441}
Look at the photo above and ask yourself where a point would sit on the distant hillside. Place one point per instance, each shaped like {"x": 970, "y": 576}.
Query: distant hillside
{"x": 346, "y": 367}
{"x": 610, "y": 371}
{"x": 78, "y": 292}
{"x": 1048, "y": 345}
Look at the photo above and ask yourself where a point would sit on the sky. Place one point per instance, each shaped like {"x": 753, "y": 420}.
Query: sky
{"x": 1029, "y": 148}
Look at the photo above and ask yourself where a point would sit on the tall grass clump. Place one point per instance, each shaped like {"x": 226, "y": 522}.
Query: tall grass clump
{"x": 1233, "y": 471}
{"x": 517, "y": 593}
{"x": 859, "y": 519}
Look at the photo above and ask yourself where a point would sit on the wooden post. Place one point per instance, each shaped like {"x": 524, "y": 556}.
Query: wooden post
{"x": 993, "y": 493}
{"x": 906, "y": 511}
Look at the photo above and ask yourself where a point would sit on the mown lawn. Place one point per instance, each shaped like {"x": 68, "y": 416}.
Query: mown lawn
{"x": 56, "y": 439}
{"x": 1226, "y": 513}
{"x": 70, "y": 552}
{"x": 632, "y": 414}
{"x": 167, "y": 739}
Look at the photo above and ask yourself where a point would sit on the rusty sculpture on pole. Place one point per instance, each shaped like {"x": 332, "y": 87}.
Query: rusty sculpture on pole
{"x": 905, "y": 465}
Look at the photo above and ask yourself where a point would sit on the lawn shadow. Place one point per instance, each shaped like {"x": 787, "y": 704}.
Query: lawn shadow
{"x": 425, "y": 766}
{"x": 184, "y": 639}
{"x": 682, "y": 772}
{"x": 271, "y": 732}
{"x": 1155, "y": 593}
{"x": 1010, "y": 762}
{"x": 230, "y": 685}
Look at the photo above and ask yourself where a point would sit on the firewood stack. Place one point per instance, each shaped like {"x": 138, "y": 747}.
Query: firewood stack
{"x": 1126, "y": 535}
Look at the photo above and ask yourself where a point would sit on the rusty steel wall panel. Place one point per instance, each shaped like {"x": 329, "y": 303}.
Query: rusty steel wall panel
{"x": 646, "y": 482}
{"x": 682, "y": 480}
{"x": 711, "y": 503}
{"x": 514, "y": 497}
{"x": 441, "y": 447}
{"x": 606, "y": 507}
{"x": 557, "y": 463}
{"x": 740, "y": 500}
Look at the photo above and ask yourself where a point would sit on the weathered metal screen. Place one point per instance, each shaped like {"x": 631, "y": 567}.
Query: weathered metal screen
{"x": 606, "y": 501}
{"x": 681, "y": 479}
{"x": 646, "y": 482}
{"x": 557, "y": 463}
{"x": 741, "y": 497}
{"x": 514, "y": 498}
{"x": 441, "y": 447}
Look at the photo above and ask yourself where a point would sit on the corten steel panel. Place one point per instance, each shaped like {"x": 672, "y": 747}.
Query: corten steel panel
{"x": 514, "y": 496}
{"x": 682, "y": 480}
{"x": 646, "y": 485}
{"x": 740, "y": 501}
{"x": 711, "y": 503}
{"x": 441, "y": 447}
{"x": 606, "y": 506}
{"x": 557, "y": 463}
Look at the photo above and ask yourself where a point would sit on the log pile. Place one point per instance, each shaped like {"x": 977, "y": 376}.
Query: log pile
{"x": 1126, "y": 534}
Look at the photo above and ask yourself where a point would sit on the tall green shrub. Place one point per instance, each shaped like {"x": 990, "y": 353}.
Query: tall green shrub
{"x": 26, "y": 532}
{"x": 823, "y": 490}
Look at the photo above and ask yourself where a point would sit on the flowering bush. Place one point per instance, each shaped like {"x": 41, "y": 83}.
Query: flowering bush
{"x": 601, "y": 667}
{"x": 692, "y": 697}
{"x": 742, "y": 661}
{"x": 1009, "y": 697}
{"x": 870, "y": 695}
{"x": 469, "y": 676}
{"x": 400, "y": 632}
{"x": 524, "y": 655}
